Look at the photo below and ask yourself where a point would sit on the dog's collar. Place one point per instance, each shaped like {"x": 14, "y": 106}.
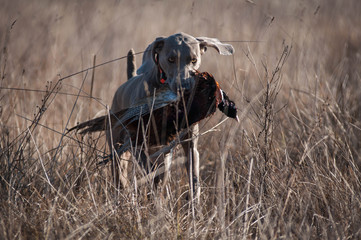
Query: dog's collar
{"x": 163, "y": 76}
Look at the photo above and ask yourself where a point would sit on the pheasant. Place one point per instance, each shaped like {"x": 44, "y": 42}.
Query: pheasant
{"x": 166, "y": 113}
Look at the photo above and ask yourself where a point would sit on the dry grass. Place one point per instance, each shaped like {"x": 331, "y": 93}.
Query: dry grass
{"x": 290, "y": 170}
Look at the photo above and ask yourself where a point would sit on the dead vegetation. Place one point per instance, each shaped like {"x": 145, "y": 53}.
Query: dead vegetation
{"x": 290, "y": 170}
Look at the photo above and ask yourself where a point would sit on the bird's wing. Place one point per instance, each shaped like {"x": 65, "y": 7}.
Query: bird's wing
{"x": 146, "y": 105}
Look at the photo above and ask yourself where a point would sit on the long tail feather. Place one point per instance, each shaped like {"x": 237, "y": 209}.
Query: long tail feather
{"x": 94, "y": 125}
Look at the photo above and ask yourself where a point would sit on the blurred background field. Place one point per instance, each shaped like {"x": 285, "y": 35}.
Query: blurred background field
{"x": 290, "y": 169}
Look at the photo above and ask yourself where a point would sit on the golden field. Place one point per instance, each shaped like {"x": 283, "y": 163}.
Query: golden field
{"x": 289, "y": 170}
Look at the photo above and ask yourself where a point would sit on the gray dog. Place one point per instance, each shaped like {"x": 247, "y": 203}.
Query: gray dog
{"x": 173, "y": 61}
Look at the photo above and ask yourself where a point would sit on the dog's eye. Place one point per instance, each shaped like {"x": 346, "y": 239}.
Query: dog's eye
{"x": 171, "y": 59}
{"x": 194, "y": 60}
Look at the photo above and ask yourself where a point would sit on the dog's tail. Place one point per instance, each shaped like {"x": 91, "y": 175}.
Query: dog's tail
{"x": 131, "y": 64}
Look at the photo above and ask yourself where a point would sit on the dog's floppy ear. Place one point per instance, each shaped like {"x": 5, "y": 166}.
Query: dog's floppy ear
{"x": 157, "y": 47}
{"x": 222, "y": 48}
{"x": 148, "y": 61}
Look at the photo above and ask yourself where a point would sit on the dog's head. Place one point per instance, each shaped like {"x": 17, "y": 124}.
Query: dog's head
{"x": 178, "y": 57}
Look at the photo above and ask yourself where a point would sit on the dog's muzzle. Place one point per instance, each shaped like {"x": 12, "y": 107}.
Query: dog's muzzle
{"x": 187, "y": 83}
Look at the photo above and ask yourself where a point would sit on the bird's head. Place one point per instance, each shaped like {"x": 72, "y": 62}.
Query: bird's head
{"x": 225, "y": 105}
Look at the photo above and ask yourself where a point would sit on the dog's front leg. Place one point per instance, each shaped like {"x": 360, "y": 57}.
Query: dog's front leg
{"x": 192, "y": 164}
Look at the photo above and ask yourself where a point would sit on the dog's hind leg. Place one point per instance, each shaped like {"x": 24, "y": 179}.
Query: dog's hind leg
{"x": 119, "y": 170}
